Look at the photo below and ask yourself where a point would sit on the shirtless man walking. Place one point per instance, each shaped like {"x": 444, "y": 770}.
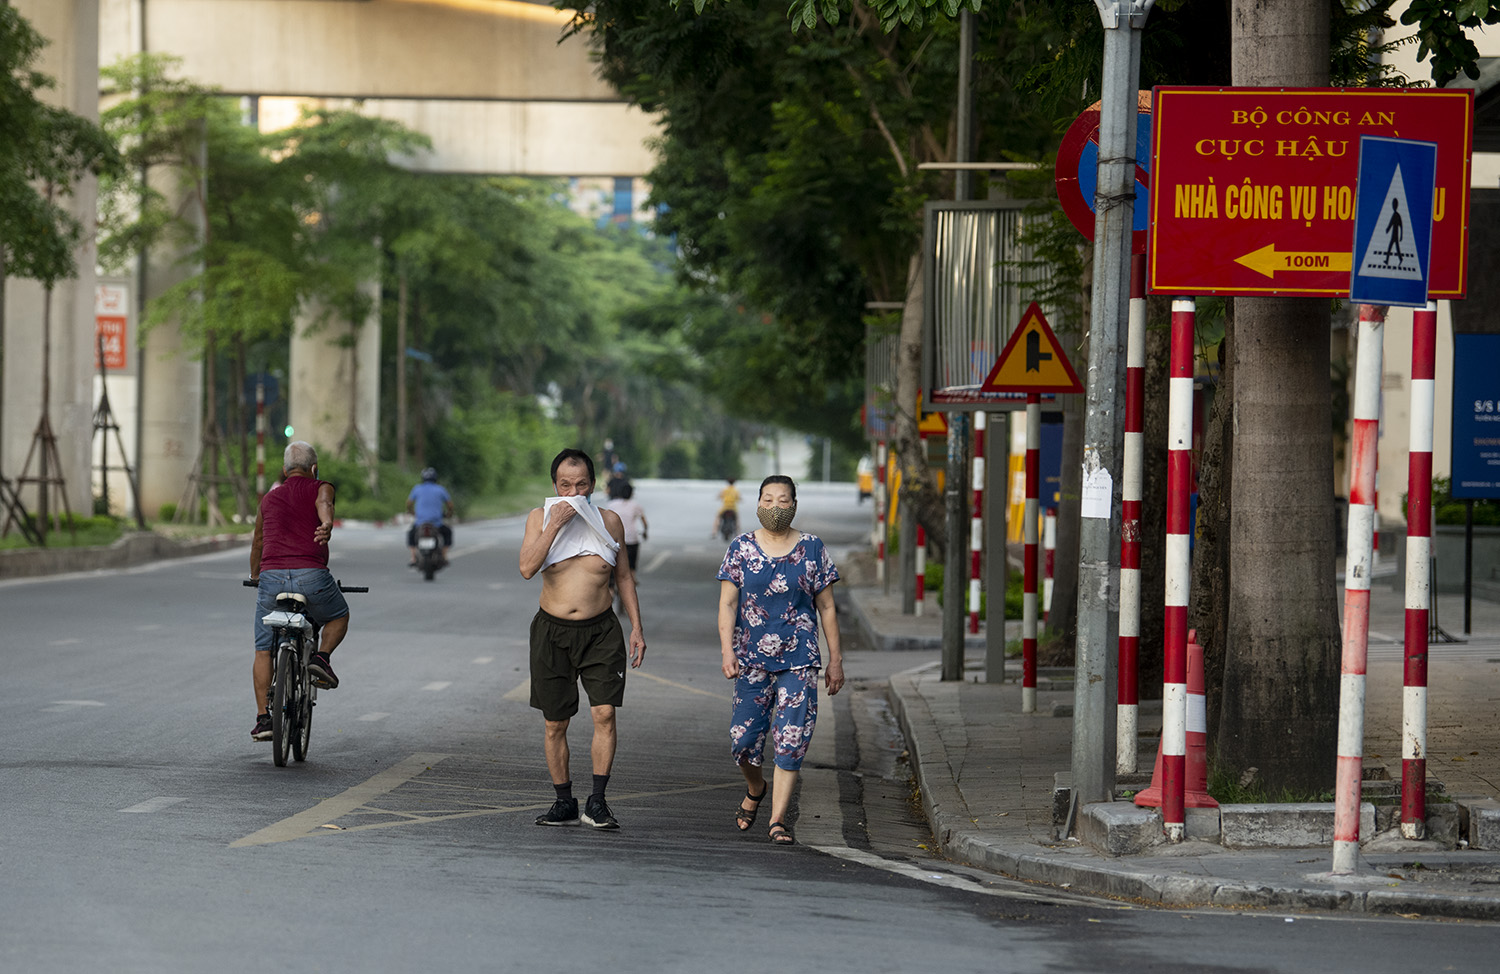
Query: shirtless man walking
{"x": 576, "y": 633}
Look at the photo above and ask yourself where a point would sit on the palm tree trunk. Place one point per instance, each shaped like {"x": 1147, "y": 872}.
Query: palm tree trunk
{"x": 1281, "y": 663}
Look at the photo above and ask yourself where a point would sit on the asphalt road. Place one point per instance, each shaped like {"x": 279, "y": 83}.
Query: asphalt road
{"x": 145, "y": 831}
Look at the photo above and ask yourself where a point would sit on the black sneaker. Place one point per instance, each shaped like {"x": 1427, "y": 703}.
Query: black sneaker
{"x": 564, "y": 811}
{"x": 596, "y": 813}
{"x": 262, "y": 730}
{"x": 323, "y": 676}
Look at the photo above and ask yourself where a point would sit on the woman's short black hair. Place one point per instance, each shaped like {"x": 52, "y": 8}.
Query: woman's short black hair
{"x": 779, "y": 478}
{"x": 572, "y": 455}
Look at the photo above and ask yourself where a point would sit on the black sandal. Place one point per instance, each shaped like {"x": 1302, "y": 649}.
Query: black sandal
{"x": 745, "y": 817}
{"x": 782, "y": 837}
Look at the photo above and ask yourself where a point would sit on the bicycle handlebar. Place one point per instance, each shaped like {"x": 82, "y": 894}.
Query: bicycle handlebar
{"x": 252, "y": 583}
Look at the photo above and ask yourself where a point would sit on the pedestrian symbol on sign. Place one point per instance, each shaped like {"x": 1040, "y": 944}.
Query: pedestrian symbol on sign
{"x": 1386, "y": 245}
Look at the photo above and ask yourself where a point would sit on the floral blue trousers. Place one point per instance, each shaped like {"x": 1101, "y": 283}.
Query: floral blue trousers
{"x": 785, "y": 704}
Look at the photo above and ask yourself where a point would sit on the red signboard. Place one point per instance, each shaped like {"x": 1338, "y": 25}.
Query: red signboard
{"x": 111, "y": 340}
{"x": 111, "y": 325}
{"x": 1252, "y": 189}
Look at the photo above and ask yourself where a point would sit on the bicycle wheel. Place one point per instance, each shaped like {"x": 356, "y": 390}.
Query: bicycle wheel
{"x": 302, "y": 708}
{"x": 282, "y": 698}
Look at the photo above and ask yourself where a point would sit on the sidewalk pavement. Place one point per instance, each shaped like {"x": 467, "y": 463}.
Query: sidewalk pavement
{"x": 988, "y": 777}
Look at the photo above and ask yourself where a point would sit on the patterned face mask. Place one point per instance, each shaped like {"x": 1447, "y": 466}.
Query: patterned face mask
{"x": 776, "y": 519}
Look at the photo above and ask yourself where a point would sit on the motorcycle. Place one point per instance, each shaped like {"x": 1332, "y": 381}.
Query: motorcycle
{"x": 729, "y": 524}
{"x": 430, "y": 550}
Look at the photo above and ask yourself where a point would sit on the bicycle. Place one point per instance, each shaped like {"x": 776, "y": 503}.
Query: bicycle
{"x": 294, "y": 639}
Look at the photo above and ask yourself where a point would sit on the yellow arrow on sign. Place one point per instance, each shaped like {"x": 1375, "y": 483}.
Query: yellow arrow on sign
{"x": 1268, "y": 260}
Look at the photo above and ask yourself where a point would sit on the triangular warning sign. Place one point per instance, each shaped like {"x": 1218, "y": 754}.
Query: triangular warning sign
{"x": 1391, "y": 251}
{"x": 930, "y": 424}
{"x": 1033, "y": 360}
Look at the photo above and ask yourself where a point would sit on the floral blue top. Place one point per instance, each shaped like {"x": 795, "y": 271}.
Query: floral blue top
{"x": 777, "y": 625}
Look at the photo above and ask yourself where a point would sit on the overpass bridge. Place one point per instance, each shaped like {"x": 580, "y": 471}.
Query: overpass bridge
{"x": 489, "y": 81}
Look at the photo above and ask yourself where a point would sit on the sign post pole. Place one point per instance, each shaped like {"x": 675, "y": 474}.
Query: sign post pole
{"x": 1093, "y": 757}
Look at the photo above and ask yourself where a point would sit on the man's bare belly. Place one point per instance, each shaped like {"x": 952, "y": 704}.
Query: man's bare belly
{"x": 577, "y": 588}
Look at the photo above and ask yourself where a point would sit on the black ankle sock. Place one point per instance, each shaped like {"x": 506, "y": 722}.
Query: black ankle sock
{"x": 600, "y": 781}
{"x": 564, "y": 791}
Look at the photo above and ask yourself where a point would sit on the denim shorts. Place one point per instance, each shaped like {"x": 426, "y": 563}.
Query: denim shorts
{"x": 325, "y": 602}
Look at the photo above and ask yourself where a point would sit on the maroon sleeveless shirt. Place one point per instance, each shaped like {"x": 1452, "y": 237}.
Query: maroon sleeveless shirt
{"x": 289, "y": 516}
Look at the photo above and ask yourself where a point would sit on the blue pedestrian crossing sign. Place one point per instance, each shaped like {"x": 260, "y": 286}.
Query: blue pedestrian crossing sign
{"x": 1393, "y": 222}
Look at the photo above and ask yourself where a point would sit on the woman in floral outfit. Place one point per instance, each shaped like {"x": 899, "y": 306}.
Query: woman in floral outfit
{"x": 774, "y": 591}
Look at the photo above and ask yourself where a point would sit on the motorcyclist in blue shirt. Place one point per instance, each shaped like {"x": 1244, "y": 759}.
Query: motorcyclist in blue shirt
{"x": 429, "y": 503}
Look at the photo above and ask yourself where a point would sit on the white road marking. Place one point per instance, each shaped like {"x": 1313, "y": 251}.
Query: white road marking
{"x": 313, "y": 820}
{"x": 153, "y": 804}
{"x": 63, "y": 706}
{"x": 522, "y": 692}
{"x": 64, "y": 642}
{"x": 377, "y": 715}
{"x": 470, "y": 549}
{"x": 481, "y": 660}
{"x": 438, "y": 685}
{"x": 149, "y": 627}
{"x": 656, "y": 562}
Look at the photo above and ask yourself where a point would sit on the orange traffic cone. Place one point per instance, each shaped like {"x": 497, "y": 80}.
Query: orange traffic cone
{"x": 1196, "y": 785}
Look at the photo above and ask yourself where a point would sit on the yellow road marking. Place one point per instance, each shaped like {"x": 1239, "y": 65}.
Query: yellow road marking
{"x": 680, "y": 686}
{"x": 305, "y": 823}
{"x": 522, "y": 692}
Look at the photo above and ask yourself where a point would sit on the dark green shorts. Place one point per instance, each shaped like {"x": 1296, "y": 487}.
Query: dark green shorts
{"x": 563, "y": 651}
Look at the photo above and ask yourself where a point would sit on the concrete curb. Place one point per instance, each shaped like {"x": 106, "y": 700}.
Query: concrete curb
{"x": 1079, "y": 869}
{"x": 132, "y": 549}
{"x": 872, "y": 636}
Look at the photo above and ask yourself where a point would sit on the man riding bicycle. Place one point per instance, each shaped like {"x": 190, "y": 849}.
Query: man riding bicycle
{"x": 429, "y": 503}
{"x": 289, "y": 553}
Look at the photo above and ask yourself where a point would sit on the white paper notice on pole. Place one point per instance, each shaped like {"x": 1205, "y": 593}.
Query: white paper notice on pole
{"x": 1098, "y": 487}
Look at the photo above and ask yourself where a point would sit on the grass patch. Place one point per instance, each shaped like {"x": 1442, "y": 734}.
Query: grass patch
{"x": 86, "y": 532}
{"x": 1233, "y": 788}
{"x": 1013, "y": 593}
{"x": 518, "y": 499}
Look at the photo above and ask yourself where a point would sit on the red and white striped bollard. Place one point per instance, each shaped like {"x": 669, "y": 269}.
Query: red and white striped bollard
{"x": 1049, "y": 552}
{"x": 921, "y": 582}
{"x": 1132, "y": 460}
{"x": 1178, "y": 569}
{"x": 1028, "y": 535}
{"x": 976, "y": 522}
{"x": 1358, "y": 559}
{"x": 1418, "y": 577}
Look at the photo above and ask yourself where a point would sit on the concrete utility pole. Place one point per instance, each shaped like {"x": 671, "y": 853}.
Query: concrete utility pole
{"x": 958, "y": 423}
{"x": 1103, "y": 432}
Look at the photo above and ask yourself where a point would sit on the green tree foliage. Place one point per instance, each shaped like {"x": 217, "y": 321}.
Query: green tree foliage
{"x": 44, "y": 152}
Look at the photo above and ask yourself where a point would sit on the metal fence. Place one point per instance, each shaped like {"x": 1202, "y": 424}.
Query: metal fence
{"x": 979, "y": 281}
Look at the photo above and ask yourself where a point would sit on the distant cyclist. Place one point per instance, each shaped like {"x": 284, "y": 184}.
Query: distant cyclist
{"x": 727, "y": 521}
{"x": 429, "y": 503}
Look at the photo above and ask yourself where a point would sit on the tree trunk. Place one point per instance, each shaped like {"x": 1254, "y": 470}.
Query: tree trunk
{"x": 1209, "y": 609}
{"x": 1281, "y": 675}
{"x": 401, "y": 365}
{"x": 917, "y": 483}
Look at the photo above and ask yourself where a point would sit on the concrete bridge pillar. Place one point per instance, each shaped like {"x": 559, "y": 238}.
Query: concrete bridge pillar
{"x": 72, "y": 59}
{"x": 335, "y": 379}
